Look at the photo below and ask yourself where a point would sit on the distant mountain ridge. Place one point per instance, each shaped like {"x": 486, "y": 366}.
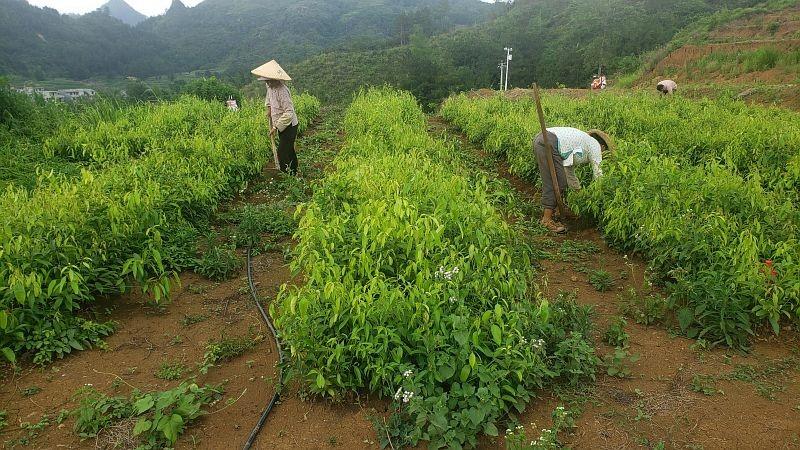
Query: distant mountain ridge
{"x": 227, "y": 36}
{"x": 119, "y": 9}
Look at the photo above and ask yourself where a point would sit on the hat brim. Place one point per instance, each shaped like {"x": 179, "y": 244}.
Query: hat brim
{"x": 604, "y": 139}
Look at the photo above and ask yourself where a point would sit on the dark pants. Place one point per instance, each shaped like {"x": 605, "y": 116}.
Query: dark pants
{"x": 548, "y": 193}
{"x": 286, "y": 154}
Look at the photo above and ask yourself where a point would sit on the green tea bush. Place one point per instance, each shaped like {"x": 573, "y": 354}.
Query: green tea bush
{"x": 70, "y": 240}
{"x": 707, "y": 190}
{"x": 416, "y": 288}
{"x": 219, "y": 263}
{"x": 212, "y": 89}
{"x": 255, "y": 220}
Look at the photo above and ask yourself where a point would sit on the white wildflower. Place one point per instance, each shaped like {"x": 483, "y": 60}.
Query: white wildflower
{"x": 408, "y": 373}
{"x": 398, "y": 393}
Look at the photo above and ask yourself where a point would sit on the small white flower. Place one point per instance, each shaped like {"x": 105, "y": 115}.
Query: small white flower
{"x": 398, "y": 393}
{"x": 408, "y": 373}
{"x": 453, "y": 299}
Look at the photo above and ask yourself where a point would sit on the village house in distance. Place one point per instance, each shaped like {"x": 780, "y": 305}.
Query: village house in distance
{"x": 60, "y": 94}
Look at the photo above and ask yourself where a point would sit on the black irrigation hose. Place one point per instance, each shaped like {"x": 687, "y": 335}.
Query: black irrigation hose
{"x": 254, "y": 434}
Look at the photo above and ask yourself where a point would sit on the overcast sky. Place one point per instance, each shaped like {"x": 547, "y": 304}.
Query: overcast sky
{"x": 147, "y": 7}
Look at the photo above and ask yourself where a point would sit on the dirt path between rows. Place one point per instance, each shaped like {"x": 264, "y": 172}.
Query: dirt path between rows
{"x": 751, "y": 400}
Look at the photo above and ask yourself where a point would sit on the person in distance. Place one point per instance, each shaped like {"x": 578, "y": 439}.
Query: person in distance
{"x": 667, "y": 87}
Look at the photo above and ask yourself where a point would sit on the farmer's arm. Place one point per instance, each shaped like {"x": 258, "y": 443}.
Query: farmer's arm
{"x": 595, "y": 154}
{"x": 287, "y": 110}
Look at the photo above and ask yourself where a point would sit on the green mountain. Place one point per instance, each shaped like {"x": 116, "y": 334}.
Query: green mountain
{"x": 226, "y": 35}
{"x": 124, "y": 12}
{"x": 554, "y": 41}
{"x": 243, "y": 33}
{"x": 41, "y": 43}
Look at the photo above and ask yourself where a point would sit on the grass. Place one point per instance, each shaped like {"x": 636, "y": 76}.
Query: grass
{"x": 226, "y": 349}
{"x": 191, "y": 319}
{"x": 644, "y": 310}
{"x": 768, "y": 377}
{"x": 170, "y": 371}
{"x": 738, "y": 63}
{"x": 601, "y": 280}
{"x": 576, "y": 251}
{"x": 704, "y": 384}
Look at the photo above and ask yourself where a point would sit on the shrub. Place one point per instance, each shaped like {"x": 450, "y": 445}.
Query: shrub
{"x": 416, "y": 288}
{"x": 219, "y": 263}
{"x": 694, "y": 186}
{"x": 213, "y": 90}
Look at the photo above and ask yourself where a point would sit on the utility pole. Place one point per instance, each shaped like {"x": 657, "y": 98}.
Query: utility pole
{"x": 502, "y": 66}
{"x": 508, "y": 63}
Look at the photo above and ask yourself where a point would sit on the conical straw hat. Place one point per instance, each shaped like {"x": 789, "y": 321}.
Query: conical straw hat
{"x": 271, "y": 71}
{"x": 603, "y": 138}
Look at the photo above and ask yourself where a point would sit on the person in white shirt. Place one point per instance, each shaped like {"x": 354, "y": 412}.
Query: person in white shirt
{"x": 571, "y": 147}
{"x": 281, "y": 113}
{"x": 667, "y": 87}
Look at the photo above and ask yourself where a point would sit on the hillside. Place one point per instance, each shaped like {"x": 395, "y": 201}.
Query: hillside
{"x": 227, "y": 35}
{"x": 119, "y": 9}
{"x": 751, "y": 53}
{"x": 238, "y": 34}
{"x": 555, "y": 42}
{"x": 42, "y": 44}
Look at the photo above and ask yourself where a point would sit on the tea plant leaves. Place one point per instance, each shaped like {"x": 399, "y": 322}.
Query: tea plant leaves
{"x": 145, "y": 169}
{"x": 415, "y": 286}
{"x": 707, "y": 190}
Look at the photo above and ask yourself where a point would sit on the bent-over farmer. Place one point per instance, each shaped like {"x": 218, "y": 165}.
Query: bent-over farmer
{"x": 667, "y": 87}
{"x": 571, "y": 147}
{"x": 281, "y": 113}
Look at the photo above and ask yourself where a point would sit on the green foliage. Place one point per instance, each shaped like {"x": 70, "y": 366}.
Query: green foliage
{"x": 170, "y": 371}
{"x": 201, "y": 37}
{"x": 704, "y": 384}
{"x": 576, "y": 251}
{"x": 191, "y": 319}
{"x": 566, "y": 51}
{"x": 56, "y": 338}
{"x": 69, "y": 240}
{"x": 617, "y": 362}
{"x": 563, "y": 420}
{"x": 615, "y": 334}
{"x": 255, "y": 220}
{"x": 31, "y": 391}
{"x": 416, "y": 287}
{"x": 644, "y": 310}
{"x": 3, "y": 419}
{"x": 706, "y": 190}
{"x": 219, "y": 263}
{"x": 736, "y": 63}
{"x": 213, "y": 90}
{"x": 226, "y": 349}
{"x": 601, "y": 280}
{"x": 156, "y": 419}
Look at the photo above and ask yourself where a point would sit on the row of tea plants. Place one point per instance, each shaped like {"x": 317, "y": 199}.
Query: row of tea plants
{"x": 121, "y": 134}
{"x": 707, "y": 190}
{"x": 417, "y": 289}
{"x": 122, "y": 225}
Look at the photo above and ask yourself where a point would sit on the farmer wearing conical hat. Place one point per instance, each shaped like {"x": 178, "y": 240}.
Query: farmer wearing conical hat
{"x": 571, "y": 147}
{"x": 281, "y": 114}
